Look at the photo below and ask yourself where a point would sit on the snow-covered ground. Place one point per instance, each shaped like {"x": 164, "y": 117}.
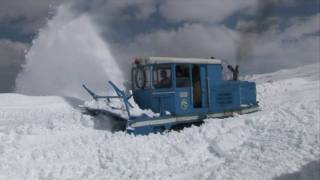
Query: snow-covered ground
{"x": 49, "y": 138}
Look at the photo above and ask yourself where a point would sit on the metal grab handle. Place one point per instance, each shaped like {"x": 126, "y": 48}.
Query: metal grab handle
{"x": 120, "y": 95}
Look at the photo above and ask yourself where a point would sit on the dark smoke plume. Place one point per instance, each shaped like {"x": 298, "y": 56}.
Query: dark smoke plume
{"x": 250, "y": 32}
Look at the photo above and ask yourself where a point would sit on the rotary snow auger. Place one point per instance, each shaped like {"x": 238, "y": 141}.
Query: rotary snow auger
{"x": 177, "y": 91}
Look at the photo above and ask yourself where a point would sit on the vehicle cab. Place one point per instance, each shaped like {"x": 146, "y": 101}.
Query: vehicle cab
{"x": 187, "y": 86}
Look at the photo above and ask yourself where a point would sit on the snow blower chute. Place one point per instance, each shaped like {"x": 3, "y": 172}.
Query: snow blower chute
{"x": 177, "y": 91}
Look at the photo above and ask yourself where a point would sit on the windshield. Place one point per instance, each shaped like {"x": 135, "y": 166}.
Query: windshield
{"x": 162, "y": 76}
{"x": 141, "y": 77}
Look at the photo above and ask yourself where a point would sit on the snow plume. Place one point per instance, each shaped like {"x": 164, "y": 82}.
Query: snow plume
{"x": 67, "y": 53}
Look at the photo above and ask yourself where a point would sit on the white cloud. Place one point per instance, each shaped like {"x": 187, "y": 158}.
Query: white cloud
{"x": 33, "y": 13}
{"x": 272, "y": 50}
{"x": 144, "y": 7}
{"x": 191, "y": 40}
{"x": 303, "y": 26}
{"x": 195, "y": 40}
{"x": 116, "y": 9}
{"x": 203, "y": 10}
{"x": 30, "y": 9}
{"x": 298, "y": 44}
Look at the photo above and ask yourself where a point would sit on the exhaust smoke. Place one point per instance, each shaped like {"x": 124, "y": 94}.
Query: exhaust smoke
{"x": 251, "y": 31}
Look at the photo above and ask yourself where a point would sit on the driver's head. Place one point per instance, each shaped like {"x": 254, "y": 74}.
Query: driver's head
{"x": 163, "y": 73}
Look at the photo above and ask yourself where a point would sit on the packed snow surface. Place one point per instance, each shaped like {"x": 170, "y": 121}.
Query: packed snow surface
{"x": 49, "y": 138}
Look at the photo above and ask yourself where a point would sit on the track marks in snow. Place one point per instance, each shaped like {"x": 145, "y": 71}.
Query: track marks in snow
{"x": 55, "y": 141}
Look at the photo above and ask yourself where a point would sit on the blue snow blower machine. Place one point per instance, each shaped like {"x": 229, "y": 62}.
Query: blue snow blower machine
{"x": 180, "y": 91}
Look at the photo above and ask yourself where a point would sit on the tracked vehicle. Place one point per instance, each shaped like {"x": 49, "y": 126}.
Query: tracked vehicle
{"x": 178, "y": 91}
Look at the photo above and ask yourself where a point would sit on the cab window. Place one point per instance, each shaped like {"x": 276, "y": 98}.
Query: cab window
{"x": 182, "y": 76}
{"x": 141, "y": 77}
{"x": 162, "y": 76}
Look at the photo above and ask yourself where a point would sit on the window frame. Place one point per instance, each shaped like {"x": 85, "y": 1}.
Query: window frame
{"x": 189, "y": 78}
{"x": 155, "y": 80}
{"x": 148, "y": 77}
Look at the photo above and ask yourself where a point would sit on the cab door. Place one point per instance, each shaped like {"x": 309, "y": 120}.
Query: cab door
{"x": 191, "y": 88}
{"x": 183, "y": 89}
{"x": 199, "y": 88}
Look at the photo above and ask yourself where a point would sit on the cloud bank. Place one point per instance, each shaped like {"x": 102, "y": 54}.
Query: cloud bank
{"x": 261, "y": 39}
{"x": 287, "y": 38}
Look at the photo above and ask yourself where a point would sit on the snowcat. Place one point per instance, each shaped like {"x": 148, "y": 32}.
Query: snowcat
{"x": 177, "y": 91}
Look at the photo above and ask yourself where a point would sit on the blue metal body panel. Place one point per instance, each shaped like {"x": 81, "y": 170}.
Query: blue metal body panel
{"x": 217, "y": 96}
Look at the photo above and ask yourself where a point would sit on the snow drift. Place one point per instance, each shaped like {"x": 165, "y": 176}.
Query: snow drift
{"x": 48, "y": 138}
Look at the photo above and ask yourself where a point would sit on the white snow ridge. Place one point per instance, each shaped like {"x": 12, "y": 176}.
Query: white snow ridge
{"x": 48, "y": 138}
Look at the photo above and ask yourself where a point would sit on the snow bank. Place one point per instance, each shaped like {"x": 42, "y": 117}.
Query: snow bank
{"x": 48, "y": 138}
{"x": 308, "y": 72}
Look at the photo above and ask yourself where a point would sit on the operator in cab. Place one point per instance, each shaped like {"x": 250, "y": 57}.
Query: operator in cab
{"x": 164, "y": 81}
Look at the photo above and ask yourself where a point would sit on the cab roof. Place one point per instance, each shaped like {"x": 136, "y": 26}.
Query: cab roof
{"x": 175, "y": 60}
